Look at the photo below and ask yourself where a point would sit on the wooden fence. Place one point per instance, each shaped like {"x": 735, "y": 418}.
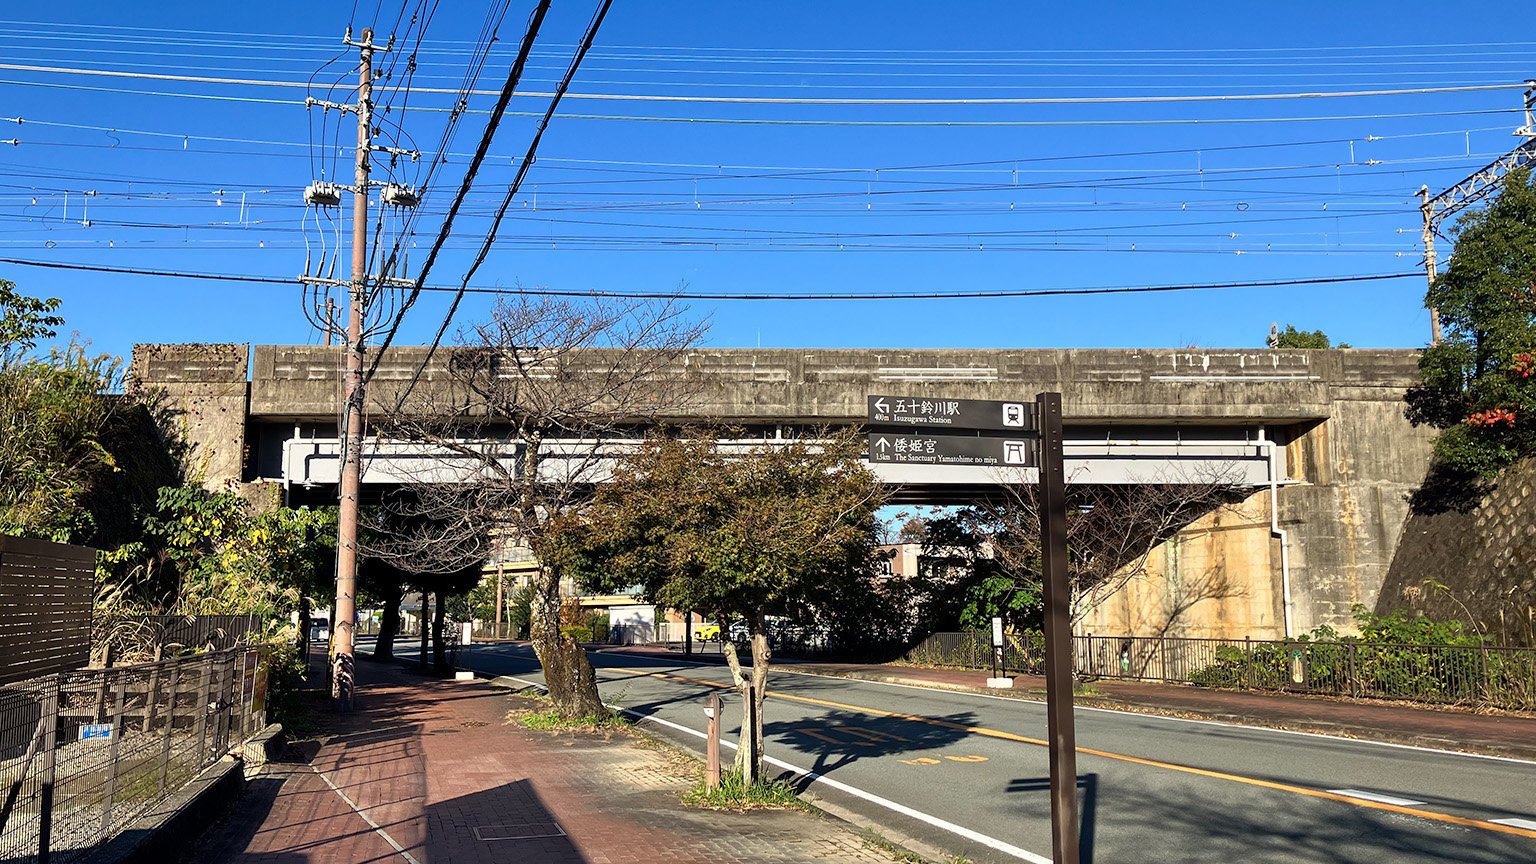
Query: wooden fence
{"x": 45, "y": 607}
{"x": 84, "y": 753}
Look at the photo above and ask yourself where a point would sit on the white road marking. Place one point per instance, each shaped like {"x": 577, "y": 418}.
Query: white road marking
{"x": 359, "y": 811}
{"x": 974, "y": 836}
{"x": 944, "y": 825}
{"x": 1516, "y": 823}
{"x": 1253, "y": 729}
{"x": 1376, "y": 796}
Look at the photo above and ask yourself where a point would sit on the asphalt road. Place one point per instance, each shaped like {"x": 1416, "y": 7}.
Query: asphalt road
{"x": 967, "y": 773}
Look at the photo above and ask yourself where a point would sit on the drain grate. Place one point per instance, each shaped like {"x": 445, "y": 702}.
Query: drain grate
{"x": 518, "y": 831}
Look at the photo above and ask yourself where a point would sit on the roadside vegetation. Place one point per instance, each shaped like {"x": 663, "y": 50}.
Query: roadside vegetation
{"x": 1479, "y": 383}
{"x": 736, "y": 793}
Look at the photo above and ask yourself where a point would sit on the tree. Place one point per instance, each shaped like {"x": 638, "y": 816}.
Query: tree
{"x": 1479, "y": 382}
{"x": 1290, "y": 337}
{"x": 525, "y": 420}
{"x": 993, "y": 549}
{"x": 775, "y": 531}
{"x": 412, "y": 538}
{"x": 206, "y": 553}
{"x": 78, "y": 460}
{"x": 24, "y": 321}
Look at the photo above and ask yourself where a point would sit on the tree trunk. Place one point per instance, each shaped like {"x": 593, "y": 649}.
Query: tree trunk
{"x": 752, "y": 689}
{"x": 567, "y": 672}
{"x": 304, "y": 616}
{"x": 389, "y": 626}
{"x": 439, "y": 655}
{"x": 421, "y": 617}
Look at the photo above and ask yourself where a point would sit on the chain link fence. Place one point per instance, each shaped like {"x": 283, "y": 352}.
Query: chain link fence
{"x": 1482, "y": 675}
{"x": 84, "y": 753}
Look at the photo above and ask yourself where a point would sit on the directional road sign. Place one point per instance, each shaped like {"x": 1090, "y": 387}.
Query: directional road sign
{"x": 1021, "y": 418}
{"x": 918, "y": 449}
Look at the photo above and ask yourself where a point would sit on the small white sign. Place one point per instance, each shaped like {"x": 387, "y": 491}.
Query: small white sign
{"x": 997, "y": 632}
{"x": 96, "y": 732}
{"x": 1014, "y": 414}
{"x": 466, "y": 633}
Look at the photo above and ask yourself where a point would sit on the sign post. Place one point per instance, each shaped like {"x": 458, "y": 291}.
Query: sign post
{"x": 999, "y": 677}
{"x": 920, "y": 431}
{"x": 1060, "y": 731}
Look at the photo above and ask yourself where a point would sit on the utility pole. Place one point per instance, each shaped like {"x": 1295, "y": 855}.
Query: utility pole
{"x": 361, "y": 287}
{"x": 1473, "y": 188}
{"x": 1429, "y": 260}
{"x": 353, "y": 391}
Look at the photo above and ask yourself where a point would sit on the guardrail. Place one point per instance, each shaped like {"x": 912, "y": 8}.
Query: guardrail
{"x": 84, "y": 753}
{"x": 1485, "y": 675}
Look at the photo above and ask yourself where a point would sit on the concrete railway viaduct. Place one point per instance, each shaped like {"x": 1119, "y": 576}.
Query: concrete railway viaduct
{"x": 1317, "y": 436}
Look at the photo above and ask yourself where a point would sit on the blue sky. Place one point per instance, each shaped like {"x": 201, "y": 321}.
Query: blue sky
{"x": 781, "y": 206}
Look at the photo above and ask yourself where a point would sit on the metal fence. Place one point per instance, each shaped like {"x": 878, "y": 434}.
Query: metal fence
{"x": 84, "y": 753}
{"x": 1494, "y": 676}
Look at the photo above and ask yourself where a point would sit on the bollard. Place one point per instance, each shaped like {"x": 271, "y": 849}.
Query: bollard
{"x": 712, "y": 747}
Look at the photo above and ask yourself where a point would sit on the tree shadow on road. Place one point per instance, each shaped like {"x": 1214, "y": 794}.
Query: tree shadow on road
{"x": 838, "y": 738}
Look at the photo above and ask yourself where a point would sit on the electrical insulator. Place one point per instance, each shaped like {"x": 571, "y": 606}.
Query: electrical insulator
{"x": 322, "y": 193}
{"x": 397, "y": 195}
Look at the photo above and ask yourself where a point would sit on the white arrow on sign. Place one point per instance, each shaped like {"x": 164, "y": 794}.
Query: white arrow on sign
{"x": 882, "y": 407}
{"x": 883, "y": 444}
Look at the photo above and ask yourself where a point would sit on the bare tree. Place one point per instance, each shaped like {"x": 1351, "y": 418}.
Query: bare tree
{"x": 1111, "y": 530}
{"x": 538, "y": 402}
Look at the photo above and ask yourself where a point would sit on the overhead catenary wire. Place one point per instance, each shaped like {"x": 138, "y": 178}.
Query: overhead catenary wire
{"x": 749, "y": 121}
{"x": 746, "y": 297}
{"x": 791, "y": 100}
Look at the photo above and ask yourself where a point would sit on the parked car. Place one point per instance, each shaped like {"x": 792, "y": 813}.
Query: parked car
{"x": 707, "y": 632}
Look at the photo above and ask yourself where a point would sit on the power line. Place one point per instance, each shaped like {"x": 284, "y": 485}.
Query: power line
{"x": 513, "y": 75}
{"x": 802, "y": 296}
{"x": 786, "y": 100}
{"x": 745, "y": 121}
{"x": 517, "y": 181}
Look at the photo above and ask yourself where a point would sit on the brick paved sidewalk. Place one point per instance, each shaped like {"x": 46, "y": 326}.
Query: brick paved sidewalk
{"x": 1501, "y": 734}
{"x": 442, "y": 777}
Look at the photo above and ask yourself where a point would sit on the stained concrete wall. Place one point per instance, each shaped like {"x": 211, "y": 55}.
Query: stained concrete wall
{"x": 787, "y": 385}
{"x": 1352, "y": 456}
{"x": 1484, "y": 556}
{"x": 205, "y": 388}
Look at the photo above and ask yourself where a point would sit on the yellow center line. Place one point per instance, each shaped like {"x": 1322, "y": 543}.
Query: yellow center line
{"x": 1137, "y": 760}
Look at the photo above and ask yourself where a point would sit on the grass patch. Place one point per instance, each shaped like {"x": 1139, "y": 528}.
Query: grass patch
{"x": 873, "y": 840}
{"x": 735, "y": 794}
{"x": 551, "y": 721}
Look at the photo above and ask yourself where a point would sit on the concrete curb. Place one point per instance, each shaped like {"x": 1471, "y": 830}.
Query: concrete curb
{"x": 161, "y": 834}
{"x": 265, "y": 746}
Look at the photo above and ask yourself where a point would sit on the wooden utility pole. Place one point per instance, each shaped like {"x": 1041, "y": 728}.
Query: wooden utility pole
{"x": 342, "y": 682}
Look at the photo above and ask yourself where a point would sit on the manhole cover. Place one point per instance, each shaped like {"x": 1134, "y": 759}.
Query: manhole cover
{"x": 518, "y": 831}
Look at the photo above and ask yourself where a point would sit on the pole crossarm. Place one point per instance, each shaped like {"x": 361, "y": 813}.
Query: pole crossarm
{"x": 1478, "y": 185}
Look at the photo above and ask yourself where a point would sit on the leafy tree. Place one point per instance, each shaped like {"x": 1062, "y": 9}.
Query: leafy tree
{"x": 206, "y": 553}
{"x": 1290, "y": 337}
{"x": 775, "y": 531}
{"x": 1479, "y": 382}
{"x": 25, "y": 320}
